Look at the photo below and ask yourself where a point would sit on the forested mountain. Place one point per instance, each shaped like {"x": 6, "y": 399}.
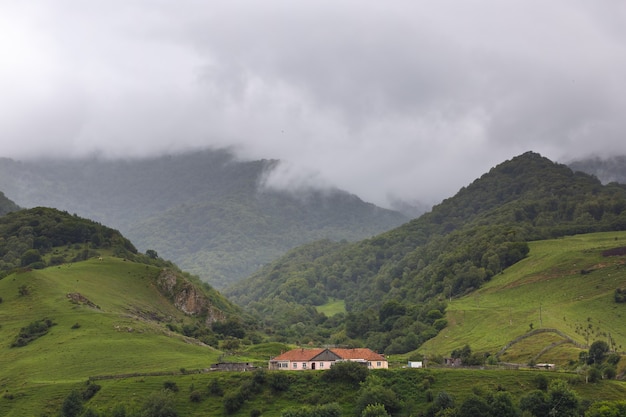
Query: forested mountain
{"x": 205, "y": 211}
{"x": 6, "y": 205}
{"x": 41, "y": 237}
{"x": 607, "y": 170}
{"x": 395, "y": 285}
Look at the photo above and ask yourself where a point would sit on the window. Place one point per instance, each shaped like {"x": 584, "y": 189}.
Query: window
{"x": 378, "y": 364}
{"x": 303, "y": 365}
{"x": 321, "y": 365}
{"x": 295, "y": 365}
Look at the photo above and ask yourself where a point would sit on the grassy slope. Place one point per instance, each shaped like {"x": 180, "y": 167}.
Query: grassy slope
{"x": 39, "y": 376}
{"x": 548, "y": 290}
{"x": 111, "y": 340}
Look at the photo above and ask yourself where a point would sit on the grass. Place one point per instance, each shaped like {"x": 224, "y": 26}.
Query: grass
{"x": 332, "y": 307}
{"x": 117, "y": 337}
{"x": 126, "y": 333}
{"x": 546, "y": 290}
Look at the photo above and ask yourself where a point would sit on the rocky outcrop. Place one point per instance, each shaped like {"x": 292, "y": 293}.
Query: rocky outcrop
{"x": 78, "y": 298}
{"x": 187, "y": 297}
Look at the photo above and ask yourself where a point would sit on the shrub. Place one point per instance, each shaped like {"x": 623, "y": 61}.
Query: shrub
{"x": 233, "y": 402}
{"x": 72, "y": 405}
{"x": 33, "y": 331}
{"x": 196, "y": 396}
{"x": 541, "y": 381}
{"x": 91, "y": 390}
{"x": 23, "y": 290}
{"x": 159, "y": 404}
{"x": 215, "y": 388}
{"x": 377, "y": 395}
{"x": 374, "y": 410}
{"x": 351, "y": 372}
{"x": 278, "y": 381}
{"x": 326, "y": 410}
{"x": 170, "y": 386}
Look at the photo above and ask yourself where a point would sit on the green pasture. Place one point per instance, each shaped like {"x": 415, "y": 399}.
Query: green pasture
{"x": 119, "y": 336}
{"x": 332, "y": 307}
{"x": 565, "y": 284}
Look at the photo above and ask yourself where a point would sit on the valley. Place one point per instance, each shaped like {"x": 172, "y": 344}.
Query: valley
{"x": 521, "y": 268}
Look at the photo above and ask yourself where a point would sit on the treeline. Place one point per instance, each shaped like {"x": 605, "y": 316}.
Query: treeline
{"x": 351, "y": 389}
{"x": 451, "y": 251}
{"x": 26, "y": 236}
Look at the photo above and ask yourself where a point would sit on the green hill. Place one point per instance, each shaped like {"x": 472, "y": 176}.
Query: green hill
{"x": 395, "y": 285}
{"x": 562, "y": 297}
{"x": 206, "y": 211}
{"x": 106, "y": 317}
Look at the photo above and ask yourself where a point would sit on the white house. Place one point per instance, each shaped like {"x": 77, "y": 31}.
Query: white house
{"x": 320, "y": 359}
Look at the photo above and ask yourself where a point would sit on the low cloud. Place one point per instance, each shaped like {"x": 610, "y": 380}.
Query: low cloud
{"x": 396, "y": 101}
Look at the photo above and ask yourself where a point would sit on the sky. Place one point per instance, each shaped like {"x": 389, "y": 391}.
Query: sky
{"x": 397, "y": 100}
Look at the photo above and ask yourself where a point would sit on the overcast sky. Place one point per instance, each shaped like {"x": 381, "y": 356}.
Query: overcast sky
{"x": 387, "y": 99}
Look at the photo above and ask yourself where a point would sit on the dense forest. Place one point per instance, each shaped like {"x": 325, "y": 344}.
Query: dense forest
{"x": 395, "y": 285}
{"x": 208, "y": 212}
{"x": 28, "y": 239}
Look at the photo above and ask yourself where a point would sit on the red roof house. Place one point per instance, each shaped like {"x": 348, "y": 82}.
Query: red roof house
{"x": 320, "y": 359}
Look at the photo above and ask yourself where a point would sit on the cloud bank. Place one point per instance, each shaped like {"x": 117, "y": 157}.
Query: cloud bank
{"x": 405, "y": 99}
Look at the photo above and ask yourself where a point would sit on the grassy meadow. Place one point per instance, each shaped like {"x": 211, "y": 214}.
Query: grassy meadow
{"x": 563, "y": 284}
{"x": 118, "y": 327}
{"x": 116, "y": 335}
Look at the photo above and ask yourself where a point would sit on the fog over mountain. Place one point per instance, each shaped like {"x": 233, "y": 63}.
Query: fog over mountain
{"x": 401, "y": 100}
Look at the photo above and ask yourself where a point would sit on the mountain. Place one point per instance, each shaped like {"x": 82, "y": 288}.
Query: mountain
{"x": 394, "y": 286}
{"x": 206, "y": 211}
{"x": 39, "y": 238}
{"x": 607, "y": 170}
{"x": 6, "y": 205}
{"x": 78, "y": 301}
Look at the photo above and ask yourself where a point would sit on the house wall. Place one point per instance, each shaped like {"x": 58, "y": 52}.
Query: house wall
{"x": 377, "y": 365}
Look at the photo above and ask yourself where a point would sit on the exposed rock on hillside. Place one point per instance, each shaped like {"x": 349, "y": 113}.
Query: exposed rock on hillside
{"x": 187, "y": 297}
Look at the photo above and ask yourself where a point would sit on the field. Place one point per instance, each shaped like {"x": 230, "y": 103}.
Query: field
{"x": 114, "y": 323}
{"x": 564, "y": 284}
{"x": 116, "y": 335}
{"x": 332, "y": 307}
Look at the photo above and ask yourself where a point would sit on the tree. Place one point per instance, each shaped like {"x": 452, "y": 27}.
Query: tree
{"x": 562, "y": 401}
{"x": 159, "y": 404}
{"x": 377, "y": 394}
{"x": 502, "y": 405}
{"x": 535, "y": 402}
{"x": 474, "y": 406}
{"x": 374, "y": 410}
{"x": 597, "y": 351}
{"x": 351, "y": 372}
{"x": 72, "y": 405}
{"x": 30, "y": 257}
{"x": 152, "y": 254}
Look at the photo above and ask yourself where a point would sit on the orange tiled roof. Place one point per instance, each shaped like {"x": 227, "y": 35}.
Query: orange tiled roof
{"x": 301, "y": 355}
{"x": 304, "y": 355}
{"x": 359, "y": 353}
